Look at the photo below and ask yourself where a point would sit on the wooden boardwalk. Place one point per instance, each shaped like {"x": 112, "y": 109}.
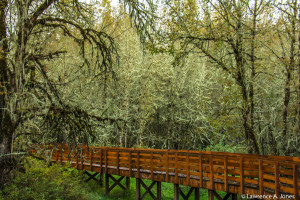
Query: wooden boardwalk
{"x": 263, "y": 177}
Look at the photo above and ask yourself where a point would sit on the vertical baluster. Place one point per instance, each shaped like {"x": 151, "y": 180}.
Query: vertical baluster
{"x": 176, "y": 168}
{"x": 101, "y": 162}
{"x": 118, "y": 163}
{"x": 167, "y": 165}
{"x": 130, "y": 165}
{"x": 226, "y": 173}
{"x": 91, "y": 159}
{"x": 212, "y": 185}
{"x": 138, "y": 164}
{"x": 261, "y": 180}
{"x": 77, "y": 159}
{"x": 295, "y": 180}
{"x": 200, "y": 171}
{"x": 242, "y": 174}
{"x": 188, "y": 168}
{"x": 152, "y": 166}
{"x": 105, "y": 160}
{"x": 82, "y": 154}
{"x": 276, "y": 174}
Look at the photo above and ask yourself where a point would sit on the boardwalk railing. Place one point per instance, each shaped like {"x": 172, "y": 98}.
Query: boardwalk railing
{"x": 229, "y": 172}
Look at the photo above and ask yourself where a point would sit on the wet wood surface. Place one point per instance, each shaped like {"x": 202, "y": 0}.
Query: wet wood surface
{"x": 229, "y": 172}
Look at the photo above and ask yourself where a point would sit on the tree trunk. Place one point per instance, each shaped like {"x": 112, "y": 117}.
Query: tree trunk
{"x": 299, "y": 75}
{"x": 6, "y": 124}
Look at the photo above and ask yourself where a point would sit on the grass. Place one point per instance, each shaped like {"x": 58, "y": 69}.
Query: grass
{"x": 118, "y": 194}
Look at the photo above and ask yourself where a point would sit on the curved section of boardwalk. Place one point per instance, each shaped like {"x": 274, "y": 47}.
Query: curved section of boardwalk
{"x": 229, "y": 172}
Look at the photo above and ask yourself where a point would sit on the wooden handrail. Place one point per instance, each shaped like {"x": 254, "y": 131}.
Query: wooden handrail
{"x": 229, "y": 172}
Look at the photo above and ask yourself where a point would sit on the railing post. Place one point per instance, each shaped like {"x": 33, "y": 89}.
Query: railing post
{"x": 176, "y": 192}
{"x": 91, "y": 159}
{"x": 105, "y": 160}
{"x": 226, "y": 173}
{"x": 242, "y": 174}
{"x": 197, "y": 194}
{"x": 101, "y": 171}
{"x": 167, "y": 165}
{"x": 138, "y": 164}
{"x": 188, "y": 168}
{"x": 138, "y": 189}
{"x": 261, "y": 180}
{"x": 211, "y": 173}
{"x": 130, "y": 165}
{"x": 295, "y": 180}
{"x": 127, "y": 183}
{"x": 152, "y": 166}
{"x": 200, "y": 171}
{"x": 158, "y": 190}
{"x": 118, "y": 163}
{"x": 176, "y": 168}
{"x": 106, "y": 182}
{"x": 276, "y": 174}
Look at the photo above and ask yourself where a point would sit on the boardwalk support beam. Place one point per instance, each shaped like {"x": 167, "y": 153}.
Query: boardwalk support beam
{"x": 213, "y": 193}
{"x": 93, "y": 176}
{"x": 140, "y": 182}
{"x": 116, "y": 182}
{"x": 178, "y": 192}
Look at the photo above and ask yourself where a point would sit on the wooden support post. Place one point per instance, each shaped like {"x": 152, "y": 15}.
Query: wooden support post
{"x": 210, "y": 195}
{"x": 158, "y": 190}
{"x": 234, "y": 196}
{"x": 176, "y": 192}
{"x": 106, "y": 183}
{"x": 127, "y": 183}
{"x": 138, "y": 189}
{"x": 139, "y": 183}
{"x": 197, "y": 194}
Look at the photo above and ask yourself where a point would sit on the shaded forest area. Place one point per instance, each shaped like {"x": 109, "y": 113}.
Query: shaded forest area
{"x": 220, "y": 75}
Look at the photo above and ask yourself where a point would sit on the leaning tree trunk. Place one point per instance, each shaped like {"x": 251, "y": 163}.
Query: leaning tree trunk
{"x": 6, "y": 124}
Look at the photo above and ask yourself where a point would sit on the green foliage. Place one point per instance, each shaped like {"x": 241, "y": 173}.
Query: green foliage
{"x": 41, "y": 181}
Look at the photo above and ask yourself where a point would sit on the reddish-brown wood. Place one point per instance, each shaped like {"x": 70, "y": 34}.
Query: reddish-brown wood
{"x": 295, "y": 177}
{"x": 226, "y": 174}
{"x": 167, "y": 166}
{"x": 232, "y": 173}
{"x": 261, "y": 180}
{"x": 211, "y": 173}
{"x": 200, "y": 171}
{"x": 242, "y": 175}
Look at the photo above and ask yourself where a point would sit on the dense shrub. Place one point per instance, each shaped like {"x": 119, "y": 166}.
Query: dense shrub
{"x": 41, "y": 181}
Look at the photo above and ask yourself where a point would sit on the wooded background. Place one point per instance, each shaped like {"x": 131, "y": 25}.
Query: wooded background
{"x": 220, "y": 75}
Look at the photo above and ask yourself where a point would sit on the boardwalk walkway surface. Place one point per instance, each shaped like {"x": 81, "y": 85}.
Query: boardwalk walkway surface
{"x": 267, "y": 177}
